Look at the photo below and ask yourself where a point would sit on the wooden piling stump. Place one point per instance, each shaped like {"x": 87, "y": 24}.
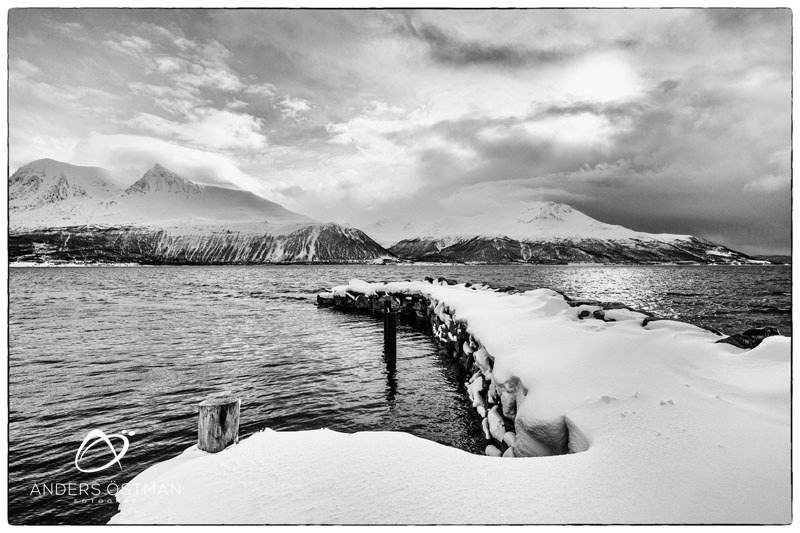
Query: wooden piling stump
{"x": 218, "y": 425}
{"x": 390, "y": 335}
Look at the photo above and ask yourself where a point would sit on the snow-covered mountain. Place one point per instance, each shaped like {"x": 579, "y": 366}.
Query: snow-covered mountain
{"x": 544, "y": 232}
{"x": 47, "y": 182}
{"x": 159, "y": 197}
{"x": 163, "y": 218}
{"x": 536, "y": 221}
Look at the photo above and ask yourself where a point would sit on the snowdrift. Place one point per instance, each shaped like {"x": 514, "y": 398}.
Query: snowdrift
{"x": 677, "y": 429}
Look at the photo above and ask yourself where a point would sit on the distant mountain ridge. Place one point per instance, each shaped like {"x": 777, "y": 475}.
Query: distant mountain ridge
{"x": 66, "y": 213}
{"x": 536, "y": 221}
{"x": 547, "y": 232}
{"x": 61, "y": 213}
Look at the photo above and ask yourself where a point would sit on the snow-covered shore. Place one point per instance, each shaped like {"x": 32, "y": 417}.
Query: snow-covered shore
{"x": 680, "y": 429}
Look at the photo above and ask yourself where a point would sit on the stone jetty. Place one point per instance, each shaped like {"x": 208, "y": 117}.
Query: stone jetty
{"x": 495, "y": 401}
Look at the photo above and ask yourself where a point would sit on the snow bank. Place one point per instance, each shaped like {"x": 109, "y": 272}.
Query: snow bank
{"x": 676, "y": 429}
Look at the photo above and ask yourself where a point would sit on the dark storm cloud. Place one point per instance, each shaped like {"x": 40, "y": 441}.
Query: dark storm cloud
{"x": 737, "y": 19}
{"x": 612, "y": 111}
{"x": 668, "y": 85}
{"x": 447, "y": 49}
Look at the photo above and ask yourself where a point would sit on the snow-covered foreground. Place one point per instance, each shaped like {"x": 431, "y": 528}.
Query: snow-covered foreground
{"x": 680, "y": 430}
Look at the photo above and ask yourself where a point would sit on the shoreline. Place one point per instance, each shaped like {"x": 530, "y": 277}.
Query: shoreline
{"x": 24, "y": 264}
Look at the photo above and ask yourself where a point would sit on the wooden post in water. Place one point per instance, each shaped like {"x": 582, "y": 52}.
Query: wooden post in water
{"x": 390, "y": 334}
{"x": 218, "y": 426}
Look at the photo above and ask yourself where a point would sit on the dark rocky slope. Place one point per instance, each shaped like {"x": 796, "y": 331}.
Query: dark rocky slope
{"x": 320, "y": 243}
{"x": 481, "y": 249}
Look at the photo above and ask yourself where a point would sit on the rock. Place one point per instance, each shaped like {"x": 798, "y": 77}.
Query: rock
{"x": 380, "y": 302}
{"x": 508, "y": 396}
{"x": 497, "y": 426}
{"x": 342, "y": 301}
{"x": 447, "y": 281}
{"x": 510, "y": 438}
{"x": 583, "y": 314}
{"x": 428, "y": 279}
{"x": 483, "y": 359}
{"x": 474, "y": 390}
{"x": 362, "y": 302}
{"x": 577, "y": 440}
{"x": 751, "y": 338}
{"x": 485, "y": 426}
{"x": 481, "y": 411}
{"x": 613, "y": 305}
{"x": 509, "y": 452}
{"x": 493, "y": 451}
{"x": 536, "y": 438}
{"x": 492, "y": 395}
{"x": 325, "y": 299}
{"x": 599, "y": 314}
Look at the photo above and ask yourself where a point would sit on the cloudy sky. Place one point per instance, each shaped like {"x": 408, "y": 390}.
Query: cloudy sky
{"x": 673, "y": 121}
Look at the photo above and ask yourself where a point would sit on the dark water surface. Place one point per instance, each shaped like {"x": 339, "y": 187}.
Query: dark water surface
{"x": 134, "y": 349}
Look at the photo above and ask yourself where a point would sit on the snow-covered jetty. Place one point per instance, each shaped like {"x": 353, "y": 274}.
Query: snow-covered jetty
{"x": 612, "y": 417}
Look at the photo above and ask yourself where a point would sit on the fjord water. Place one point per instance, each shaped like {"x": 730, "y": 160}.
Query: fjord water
{"x": 134, "y": 349}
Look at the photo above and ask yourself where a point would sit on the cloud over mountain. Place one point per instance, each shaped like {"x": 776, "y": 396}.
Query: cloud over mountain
{"x": 667, "y": 120}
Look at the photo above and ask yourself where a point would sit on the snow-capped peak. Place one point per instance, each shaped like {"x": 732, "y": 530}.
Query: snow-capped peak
{"x": 46, "y": 182}
{"x": 160, "y": 196}
{"x": 535, "y": 221}
{"x": 548, "y": 211}
{"x": 163, "y": 180}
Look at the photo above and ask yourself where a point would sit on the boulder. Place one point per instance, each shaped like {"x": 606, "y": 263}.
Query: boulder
{"x": 483, "y": 359}
{"x": 380, "y": 302}
{"x": 751, "y": 338}
{"x": 578, "y": 442}
{"x": 536, "y": 438}
{"x": 485, "y": 427}
{"x": 509, "y": 452}
{"x": 325, "y": 299}
{"x": 474, "y": 389}
{"x": 492, "y": 395}
{"x": 497, "y": 426}
{"x": 493, "y": 451}
{"x": 362, "y": 303}
{"x": 343, "y": 301}
{"x": 509, "y": 392}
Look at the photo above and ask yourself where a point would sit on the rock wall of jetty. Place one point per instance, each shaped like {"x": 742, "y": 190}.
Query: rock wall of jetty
{"x": 494, "y": 400}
